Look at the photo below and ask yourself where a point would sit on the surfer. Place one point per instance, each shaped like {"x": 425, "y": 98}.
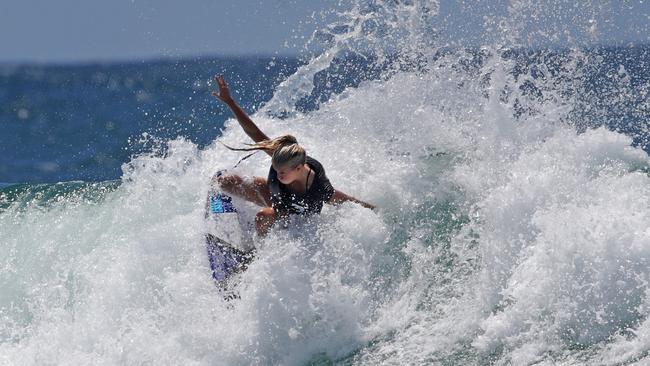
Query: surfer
{"x": 296, "y": 183}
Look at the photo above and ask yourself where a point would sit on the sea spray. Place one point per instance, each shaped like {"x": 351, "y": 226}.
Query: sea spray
{"x": 510, "y": 229}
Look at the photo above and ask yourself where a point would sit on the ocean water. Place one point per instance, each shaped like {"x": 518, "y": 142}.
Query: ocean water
{"x": 82, "y": 122}
{"x": 513, "y": 182}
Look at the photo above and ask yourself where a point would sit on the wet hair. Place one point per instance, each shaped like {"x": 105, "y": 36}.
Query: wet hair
{"x": 284, "y": 149}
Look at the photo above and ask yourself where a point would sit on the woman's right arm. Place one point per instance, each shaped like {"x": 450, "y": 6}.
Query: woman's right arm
{"x": 244, "y": 120}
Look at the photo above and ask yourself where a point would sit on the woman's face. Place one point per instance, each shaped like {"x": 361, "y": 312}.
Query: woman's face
{"x": 287, "y": 175}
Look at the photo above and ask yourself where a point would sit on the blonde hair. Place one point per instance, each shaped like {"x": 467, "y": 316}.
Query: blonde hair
{"x": 284, "y": 149}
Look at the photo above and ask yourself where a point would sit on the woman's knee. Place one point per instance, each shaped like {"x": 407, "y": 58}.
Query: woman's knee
{"x": 266, "y": 213}
{"x": 264, "y": 219}
{"x": 252, "y": 189}
{"x": 228, "y": 182}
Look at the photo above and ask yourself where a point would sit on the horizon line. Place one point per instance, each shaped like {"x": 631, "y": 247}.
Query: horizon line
{"x": 135, "y": 60}
{"x": 195, "y": 57}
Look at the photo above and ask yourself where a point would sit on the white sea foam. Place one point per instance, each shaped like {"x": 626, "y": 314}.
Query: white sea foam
{"x": 502, "y": 237}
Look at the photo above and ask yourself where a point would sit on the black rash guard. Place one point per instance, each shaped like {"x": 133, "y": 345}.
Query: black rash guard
{"x": 285, "y": 202}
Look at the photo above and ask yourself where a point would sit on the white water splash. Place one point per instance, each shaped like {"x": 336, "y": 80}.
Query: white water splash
{"x": 504, "y": 235}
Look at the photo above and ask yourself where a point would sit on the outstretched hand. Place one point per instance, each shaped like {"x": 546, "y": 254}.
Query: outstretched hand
{"x": 224, "y": 92}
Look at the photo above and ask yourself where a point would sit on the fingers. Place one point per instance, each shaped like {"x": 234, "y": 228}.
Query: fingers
{"x": 221, "y": 81}
{"x": 223, "y": 93}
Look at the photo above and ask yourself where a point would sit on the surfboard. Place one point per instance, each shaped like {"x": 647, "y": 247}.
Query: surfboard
{"x": 227, "y": 240}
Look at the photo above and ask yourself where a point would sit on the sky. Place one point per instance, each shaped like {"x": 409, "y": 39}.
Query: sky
{"x": 99, "y": 30}
{"x": 72, "y": 30}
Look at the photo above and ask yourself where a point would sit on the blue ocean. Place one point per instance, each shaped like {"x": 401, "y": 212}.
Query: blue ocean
{"x": 512, "y": 180}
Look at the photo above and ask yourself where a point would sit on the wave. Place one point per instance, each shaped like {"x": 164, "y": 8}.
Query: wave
{"x": 512, "y": 226}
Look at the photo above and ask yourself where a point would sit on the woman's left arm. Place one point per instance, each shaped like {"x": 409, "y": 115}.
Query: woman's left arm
{"x": 340, "y": 197}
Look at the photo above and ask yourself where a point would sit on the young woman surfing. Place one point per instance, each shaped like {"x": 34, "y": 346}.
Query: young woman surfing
{"x": 296, "y": 183}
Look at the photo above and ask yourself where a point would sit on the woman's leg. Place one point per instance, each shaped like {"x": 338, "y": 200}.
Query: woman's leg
{"x": 253, "y": 189}
{"x": 264, "y": 220}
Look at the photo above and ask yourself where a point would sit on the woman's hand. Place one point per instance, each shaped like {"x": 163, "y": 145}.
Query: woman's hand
{"x": 224, "y": 92}
{"x": 244, "y": 120}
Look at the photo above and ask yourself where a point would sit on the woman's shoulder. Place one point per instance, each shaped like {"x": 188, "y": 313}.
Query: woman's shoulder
{"x": 322, "y": 183}
{"x": 314, "y": 164}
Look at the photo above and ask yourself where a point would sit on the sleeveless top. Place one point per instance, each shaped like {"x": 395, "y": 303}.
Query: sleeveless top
{"x": 286, "y": 202}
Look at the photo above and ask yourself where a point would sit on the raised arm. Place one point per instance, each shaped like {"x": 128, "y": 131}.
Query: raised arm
{"x": 340, "y": 197}
{"x": 244, "y": 120}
